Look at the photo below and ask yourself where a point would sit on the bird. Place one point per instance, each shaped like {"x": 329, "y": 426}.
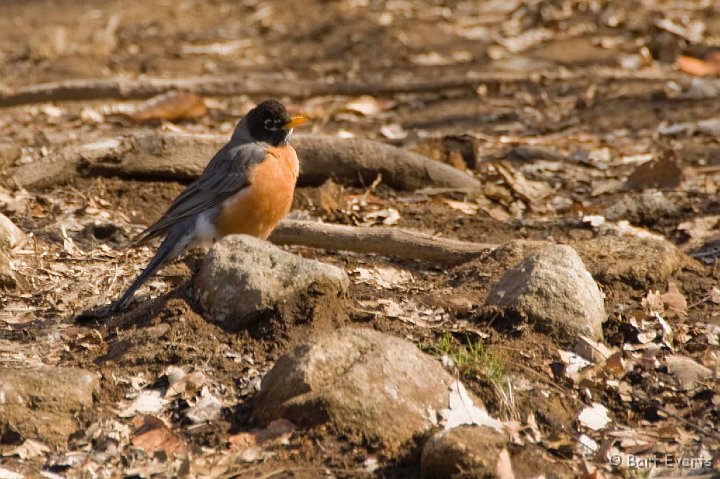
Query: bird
{"x": 246, "y": 188}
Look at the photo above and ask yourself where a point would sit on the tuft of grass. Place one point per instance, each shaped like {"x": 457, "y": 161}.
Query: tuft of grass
{"x": 471, "y": 358}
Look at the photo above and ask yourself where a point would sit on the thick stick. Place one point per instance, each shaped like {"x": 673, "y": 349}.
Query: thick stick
{"x": 382, "y": 240}
{"x": 150, "y": 155}
{"x": 275, "y": 86}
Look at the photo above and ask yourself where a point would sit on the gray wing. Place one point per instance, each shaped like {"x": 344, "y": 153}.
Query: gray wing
{"x": 225, "y": 175}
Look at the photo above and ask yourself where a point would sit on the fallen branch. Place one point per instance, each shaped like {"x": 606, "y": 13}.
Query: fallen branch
{"x": 162, "y": 156}
{"x": 358, "y": 162}
{"x": 382, "y": 240}
{"x": 274, "y": 86}
{"x": 263, "y": 85}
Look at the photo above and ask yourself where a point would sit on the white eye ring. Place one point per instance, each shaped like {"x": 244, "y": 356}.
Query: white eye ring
{"x": 270, "y": 125}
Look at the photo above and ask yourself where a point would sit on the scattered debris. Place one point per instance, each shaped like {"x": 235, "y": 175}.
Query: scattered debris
{"x": 594, "y": 417}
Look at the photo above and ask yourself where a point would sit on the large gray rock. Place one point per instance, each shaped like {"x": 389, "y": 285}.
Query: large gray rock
{"x": 552, "y": 288}
{"x": 638, "y": 262}
{"x": 647, "y": 208}
{"x": 8, "y": 279}
{"x": 41, "y": 403}
{"x": 10, "y": 235}
{"x": 9, "y": 152}
{"x": 369, "y": 386}
{"x": 243, "y": 277}
{"x": 465, "y": 451}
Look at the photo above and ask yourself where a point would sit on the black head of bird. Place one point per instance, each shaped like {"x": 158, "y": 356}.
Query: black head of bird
{"x": 270, "y": 122}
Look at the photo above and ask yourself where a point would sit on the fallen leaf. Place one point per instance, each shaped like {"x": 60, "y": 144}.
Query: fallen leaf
{"x": 81, "y": 337}
{"x": 594, "y": 417}
{"x": 661, "y": 173}
{"x": 465, "y": 207}
{"x": 691, "y": 30}
{"x": 392, "y": 308}
{"x": 686, "y": 371}
{"x": 218, "y": 48}
{"x": 330, "y": 197}
{"x": 714, "y": 295}
{"x": 674, "y": 300}
{"x": 699, "y": 67}
{"x": 591, "y": 350}
{"x": 461, "y": 410}
{"x": 383, "y": 276}
{"x": 503, "y": 466}
{"x": 206, "y": 409}
{"x": 154, "y": 436}
{"x": 393, "y": 131}
{"x": 277, "y": 432}
{"x": 367, "y": 105}
{"x": 388, "y": 217}
{"x": 28, "y": 449}
{"x": 174, "y": 105}
{"x": 8, "y": 474}
{"x": 147, "y": 402}
{"x": 615, "y": 364}
{"x": 183, "y": 383}
{"x": 653, "y": 302}
{"x": 529, "y": 190}
{"x": 587, "y": 445}
{"x": 574, "y": 363}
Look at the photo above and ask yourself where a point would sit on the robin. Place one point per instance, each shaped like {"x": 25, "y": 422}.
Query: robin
{"x": 247, "y": 188}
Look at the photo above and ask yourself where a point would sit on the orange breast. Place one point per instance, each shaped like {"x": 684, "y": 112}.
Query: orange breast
{"x": 258, "y": 209}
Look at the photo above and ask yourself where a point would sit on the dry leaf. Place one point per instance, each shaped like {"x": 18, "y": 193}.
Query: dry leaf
{"x": 699, "y": 67}
{"x": 674, "y": 300}
{"x": 383, "y": 276}
{"x": 698, "y": 229}
{"x": 147, "y": 402}
{"x": 174, "y": 105}
{"x": 714, "y": 295}
{"x": 594, "y": 417}
{"x": 393, "y": 131}
{"x": 218, "y": 48}
{"x": 591, "y": 350}
{"x": 206, "y": 409}
{"x": 81, "y": 337}
{"x": 686, "y": 371}
{"x": 461, "y": 410}
{"x": 154, "y": 436}
{"x": 658, "y": 173}
{"x": 615, "y": 364}
{"x": 465, "y": 207}
{"x": 367, "y": 105}
{"x": 330, "y": 197}
{"x": 28, "y": 449}
{"x": 277, "y": 432}
{"x": 587, "y": 445}
{"x": 653, "y": 302}
{"x": 574, "y": 363}
{"x": 529, "y": 190}
{"x": 183, "y": 383}
{"x": 503, "y": 466}
{"x": 8, "y": 474}
{"x": 691, "y": 30}
{"x": 388, "y": 217}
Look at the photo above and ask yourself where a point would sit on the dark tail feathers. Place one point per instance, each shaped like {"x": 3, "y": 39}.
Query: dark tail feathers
{"x": 168, "y": 250}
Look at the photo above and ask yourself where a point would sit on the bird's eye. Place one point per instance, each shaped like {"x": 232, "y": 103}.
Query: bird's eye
{"x": 270, "y": 125}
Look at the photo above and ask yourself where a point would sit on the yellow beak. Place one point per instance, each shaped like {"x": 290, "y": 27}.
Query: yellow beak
{"x": 295, "y": 121}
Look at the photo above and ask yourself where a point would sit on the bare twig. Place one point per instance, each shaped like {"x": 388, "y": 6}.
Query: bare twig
{"x": 384, "y": 241}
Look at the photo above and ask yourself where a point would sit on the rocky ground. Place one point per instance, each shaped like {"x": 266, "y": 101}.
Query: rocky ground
{"x": 571, "y": 330}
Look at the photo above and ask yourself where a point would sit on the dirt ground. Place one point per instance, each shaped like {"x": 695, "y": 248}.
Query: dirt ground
{"x": 560, "y": 103}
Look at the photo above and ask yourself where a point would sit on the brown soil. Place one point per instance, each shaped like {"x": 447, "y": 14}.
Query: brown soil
{"x": 62, "y": 291}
